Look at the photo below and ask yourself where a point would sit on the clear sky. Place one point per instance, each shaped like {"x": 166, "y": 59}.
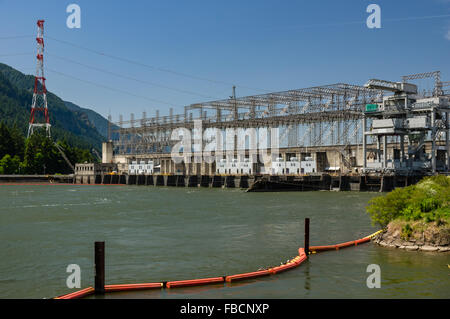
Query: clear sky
{"x": 193, "y": 51}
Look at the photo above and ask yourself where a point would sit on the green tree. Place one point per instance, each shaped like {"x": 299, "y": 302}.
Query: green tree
{"x": 11, "y": 141}
{"x": 75, "y": 154}
{"x": 9, "y": 165}
{"x": 41, "y": 156}
{"x": 37, "y": 154}
{"x": 18, "y": 141}
{"x": 5, "y": 140}
{"x": 428, "y": 200}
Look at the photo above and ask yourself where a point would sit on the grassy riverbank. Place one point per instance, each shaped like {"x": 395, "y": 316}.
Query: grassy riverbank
{"x": 417, "y": 214}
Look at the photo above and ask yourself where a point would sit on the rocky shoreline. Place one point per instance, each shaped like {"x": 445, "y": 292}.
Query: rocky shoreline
{"x": 428, "y": 240}
{"x": 408, "y": 245}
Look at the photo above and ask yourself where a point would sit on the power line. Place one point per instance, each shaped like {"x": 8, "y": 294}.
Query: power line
{"x": 16, "y": 37}
{"x": 197, "y": 77}
{"x": 418, "y": 18}
{"x": 17, "y": 54}
{"x": 131, "y": 78}
{"x": 97, "y": 84}
{"x": 337, "y": 24}
{"x": 111, "y": 88}
{"x": 153, "y": 67}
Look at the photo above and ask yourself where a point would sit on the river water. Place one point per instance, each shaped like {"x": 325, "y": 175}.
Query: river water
{"x": 155, "y": 234}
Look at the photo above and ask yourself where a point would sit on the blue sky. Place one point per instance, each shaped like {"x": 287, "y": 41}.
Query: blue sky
{"x": 257, "y": 45}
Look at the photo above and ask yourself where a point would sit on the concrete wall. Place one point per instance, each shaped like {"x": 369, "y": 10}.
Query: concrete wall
{"x": 333, "y": 158}
{"x": 107, "y": 152}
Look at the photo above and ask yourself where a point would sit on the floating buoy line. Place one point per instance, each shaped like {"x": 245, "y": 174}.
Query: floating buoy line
{"x": 290, "y": 264}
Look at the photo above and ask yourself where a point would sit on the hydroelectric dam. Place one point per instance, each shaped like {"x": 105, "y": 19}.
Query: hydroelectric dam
{"x": 375, "y": 136}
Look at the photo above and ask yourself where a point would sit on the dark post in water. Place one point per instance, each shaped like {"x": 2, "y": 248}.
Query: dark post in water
{"x": 307, "y": 236}
{"x": 99, "y": 267}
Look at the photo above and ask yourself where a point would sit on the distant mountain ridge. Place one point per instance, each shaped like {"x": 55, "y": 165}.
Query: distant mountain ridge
{"x": 100, "y": 123}
{"x": 81, "y": 127}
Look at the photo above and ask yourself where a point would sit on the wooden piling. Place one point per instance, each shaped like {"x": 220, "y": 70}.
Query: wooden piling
{"x": 307, "y": 236}
{"x": 99, "y": 267}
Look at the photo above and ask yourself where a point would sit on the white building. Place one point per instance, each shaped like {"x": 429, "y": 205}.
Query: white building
{"x": 234, "y": 167}
{"x": 142, "y": 168}
{"x": 308, "y": 165}
{"x": 245, "y": 167}
{"x": 278, "y": 166}
{"x": 149, "y": 169}
{"x": 132, "y": 168}
{"x": 294, "y": 166}
{"x": 221, "y": 167}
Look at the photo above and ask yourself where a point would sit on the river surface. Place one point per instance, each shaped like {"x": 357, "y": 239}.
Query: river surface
{"x": 155, "y": 234}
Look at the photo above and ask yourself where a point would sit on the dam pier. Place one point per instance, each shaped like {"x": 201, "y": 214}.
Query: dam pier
{"x": 258, "y": 183}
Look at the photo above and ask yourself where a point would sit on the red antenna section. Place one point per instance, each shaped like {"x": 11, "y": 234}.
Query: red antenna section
{"x": 39, "y": 103}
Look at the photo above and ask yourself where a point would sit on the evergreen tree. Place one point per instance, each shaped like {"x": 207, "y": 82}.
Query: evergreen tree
{"x": 9, "y": 165}
{"x": 18, "y": 141}
{"x": 37, "y": 154}
{"x": 12, "y": 141}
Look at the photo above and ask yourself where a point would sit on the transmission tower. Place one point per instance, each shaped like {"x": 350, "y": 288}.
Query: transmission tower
{"x": 40, "y": 91}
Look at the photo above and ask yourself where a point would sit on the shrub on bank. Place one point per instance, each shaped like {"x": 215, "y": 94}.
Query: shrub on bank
{"x": 428, "y": 200}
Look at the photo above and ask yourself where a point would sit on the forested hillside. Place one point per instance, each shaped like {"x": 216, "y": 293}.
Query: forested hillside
{"x": 74, "y": 127}
{"x": 100, "y": 123}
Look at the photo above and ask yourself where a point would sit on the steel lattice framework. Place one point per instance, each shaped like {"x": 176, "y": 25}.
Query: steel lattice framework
{"x": 40, "y": 91}
{"x": 314, "y": 116}
{"x": 326, "y": 115}
{"x": 437, "y": 80}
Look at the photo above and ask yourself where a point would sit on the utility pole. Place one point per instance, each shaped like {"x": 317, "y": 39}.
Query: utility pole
{"x": 109, "y": 126}
{"x": 233, "y": 97}
{"x": 235, "y": 117}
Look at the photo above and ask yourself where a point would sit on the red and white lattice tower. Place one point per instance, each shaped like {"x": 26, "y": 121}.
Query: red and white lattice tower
{"x": 40, "y": 91}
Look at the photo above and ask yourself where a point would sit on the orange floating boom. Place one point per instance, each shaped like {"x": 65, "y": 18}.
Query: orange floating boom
{"x": 248, "y": 275}
{"x": 344, "y": 245}
{"x": 301, "y": 252}
{"x": 322, "y": 248}
{"x": 78, "y": 294}
{"x": 194, "y": 282}
{"x": 289, "y": 265}
{"x": 362, "y": 240}
{"x": 295, "y": 262}
{"x": 128, "y": 287}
